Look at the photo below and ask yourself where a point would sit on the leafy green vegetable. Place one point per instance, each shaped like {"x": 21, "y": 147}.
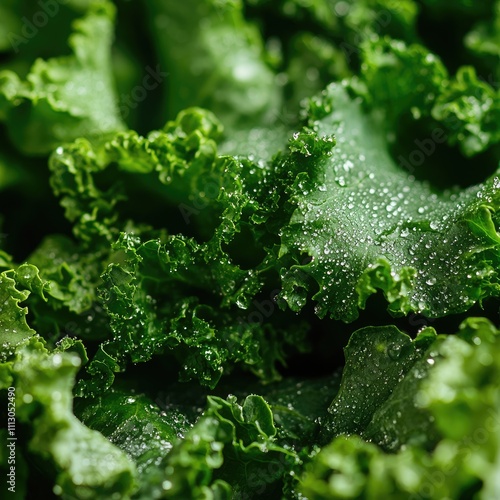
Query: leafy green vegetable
{"x": 206, "y": 343}
{"x": 224, "y": 61}
{"x": 229, "y": 443}
{"x": 470, "y": 109}
{"x": 368, "y": 226}
{"x": 137, "y": 426}
{"x": 13, "y": 324}
{"x": 401, "y": 78}
{"x": 459, "y": 393}
{"x": 87, "y": 462}
{"x": 52, "y": 105}
{"x": 388, "y": 356}
{"x": 483, "y": 40}
{"x": 211, "y": 213}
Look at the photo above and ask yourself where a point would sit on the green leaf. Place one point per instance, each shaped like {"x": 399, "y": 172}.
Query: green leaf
{"x": 66, "y": 97}
{"x": 136, "y": 425}
{"x": 300, "y": 407}
{"x": 484, "y": 40}
{"x": 367, "y": 225}
{"x": 13, "y": 326}
{"x": 85, "y": 462}
{"x": 452, "y": 388}
{"x": 154, "y": 305}
{"x": 401, "y": 78}
{"x": 470, "y": 110}
{"x": 230, "y": 445}
{"x": 215, "y": 59}
{"x": 72, "y": 277}
{"x": 163, "y": 293}
{"x": 377, "y": 360}
{"x": 194, "y": 258}
{"x": 177, "y": 167}
{"x": 352, "y": 468}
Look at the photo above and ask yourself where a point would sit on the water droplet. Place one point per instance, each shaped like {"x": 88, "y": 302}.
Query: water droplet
{"x": 394, "y": 351}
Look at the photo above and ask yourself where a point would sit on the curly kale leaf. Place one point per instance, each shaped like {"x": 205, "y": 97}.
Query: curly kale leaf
{"x": 66, "y": 97}
{"x": 470, "y": 110}
{"x": 440, "y": 425}
{"x": 216, "y": 59}
{"x": 231, "y": 452}
{"x": 158, "y": 303}
{"x": 366, "y": 224}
